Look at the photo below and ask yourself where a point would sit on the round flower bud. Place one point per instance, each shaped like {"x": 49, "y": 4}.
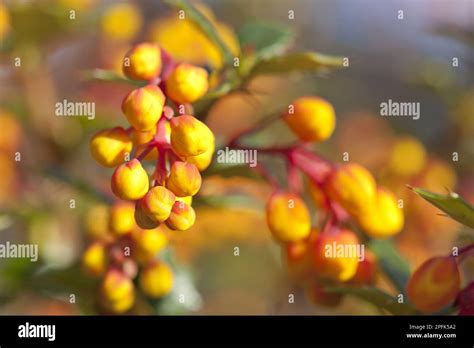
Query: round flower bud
{"x": 120, "y": 21}
{"x": 143, "y": 107}
{"x": 384, "y": 218}
{"x": 148, "y": 243}
{"x": 94, "y": 259}
{"x": 288, "y": 217}
{"x": 203, "y": 160}
{"x": 311, "y": 118}
{"x": 187, "y": 83}
{"x": 353, "y": 187}
{"x": 157, "y": 203}
{"x": 110, "y": 147}
{"x": 435, "y": 284}
{"x": 122, "y": 217}
{"x": 189, "y": 136}
{"x": 143, "y": 62}
{"x": 408, "y": 157}
{"x": 184, "y": 179}
{"x": 117, "y": 292}
{"x": 182, "y": 217}
{"x": 142, "y": 219}
{"x": 335, "y": 255}
{"x": 97, "y": 222}
{"x": 130, "y": 181}
{"x": 156, "y": 280}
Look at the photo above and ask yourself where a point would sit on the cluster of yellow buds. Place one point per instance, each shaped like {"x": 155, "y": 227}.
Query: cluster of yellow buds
{"x": 330, "y": 254}
{"x": 181, "y": 147}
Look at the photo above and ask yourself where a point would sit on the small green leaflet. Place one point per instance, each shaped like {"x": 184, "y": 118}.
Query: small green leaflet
{"x": 452, "y": 204}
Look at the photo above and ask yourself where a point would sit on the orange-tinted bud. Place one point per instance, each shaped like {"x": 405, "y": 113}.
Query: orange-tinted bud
{"x": 110, "y": 147}
{"x": 311, "y": 118}
{"x": 142, "y": 219}
{"x": 288, "y": 217}
{"x": 139, "y": 140}
{"x": 149, "y": 242}
{"x": 336, "y": 255}
{"x": 184, "y": 179}
{"x": 130, "y": 181}
{"x": 353, "y": 187}
{"x": 187, "y": 83}
{"x": 157, "y": 203}
{"x": 122, "y": 217}
{"x": 435, "y": 284}
{"x": 156, "y": 280}
{"x": 94, "y": 259}
{"x": 143, "y": 107}
{"x": 384, "y": 218}
{"x": 143, "y": 62}
{"x": 182, "y": 217}
{"x": 366, "y": 270}
{"x": 117, "y": 292}
{"x": 190, "y": 137}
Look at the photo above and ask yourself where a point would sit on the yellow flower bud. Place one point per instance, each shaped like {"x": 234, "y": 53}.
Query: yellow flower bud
{"x": 435, "y": 284}
{"x": 110, "y": 147}
{"x": 143, "y": 107}
{"x": 184, "y": 179}
{"x": 288, "y": 217}
{"x": 97, "y": 222}
{"x": 143, "y": 62}
{"x": 334, "y": 255}
{"x": 384, "y": 218}
{"x": 94, "y": 259}
{"x": 122, "y": 217}
{"x": 156, "y": 280}
{"x": 142, "y": 219}
{"x": 157, "y": 203}
{"x": 189, "y": 136}
{"x": 121, "y": 21}
{"x": 149, "y": 242}
{"x": 117, "y": 292}
{"x": 311, "y": 118}
{"x": 182, "y": 217}
{"x": 203, "y": 160}
{"x": 130, "y": 181}
{"x": 353, "y": 187}
{"x": 187, "y": 83}
{"x": 408, "y": 157}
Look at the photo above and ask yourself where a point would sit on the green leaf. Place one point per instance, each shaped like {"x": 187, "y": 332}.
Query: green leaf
{"x": 377, "y": 297}
{"x": 297, "y": 62}
{"x": 205, "y": 25}
{"x": 109, "y": 76}
{"x": 391, "y": 262}
{"x": 264, "y": 40}
{"x": 452, "y": 204}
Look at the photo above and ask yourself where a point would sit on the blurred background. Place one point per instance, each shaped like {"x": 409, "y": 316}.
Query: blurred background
{"x": 47, "y": 53}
